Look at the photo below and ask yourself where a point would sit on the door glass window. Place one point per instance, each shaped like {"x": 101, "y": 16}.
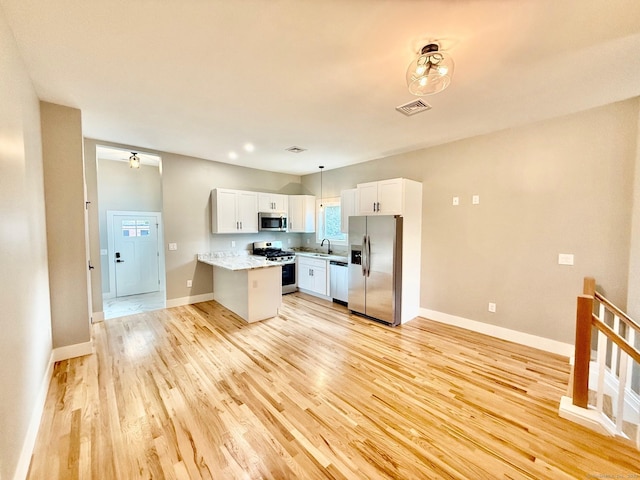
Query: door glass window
{"x": 135, "y": 228}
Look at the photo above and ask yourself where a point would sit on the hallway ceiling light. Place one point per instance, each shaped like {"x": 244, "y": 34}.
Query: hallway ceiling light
{"x": 134, "y": 160}
{"x": 430, "y": 72}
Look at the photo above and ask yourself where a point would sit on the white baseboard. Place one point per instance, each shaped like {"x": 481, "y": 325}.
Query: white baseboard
{"x": 587, "y": 417}
{"x": 541, "y": 343}
{"x": 179, "y": 302}
{"x": 34, "y": 425}
{"x": 72, "y": 351}
{"x": 97, "y": 317}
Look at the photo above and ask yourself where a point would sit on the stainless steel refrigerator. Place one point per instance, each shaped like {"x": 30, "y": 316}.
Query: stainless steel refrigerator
{"x": 375, "y": 262}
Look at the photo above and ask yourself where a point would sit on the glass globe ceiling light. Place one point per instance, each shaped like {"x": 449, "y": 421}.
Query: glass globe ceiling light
{"x": 430, "y": 72}
{"x": 134, "y": 160}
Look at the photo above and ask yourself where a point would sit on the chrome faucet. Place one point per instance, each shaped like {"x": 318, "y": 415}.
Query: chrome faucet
{"x": 328, "y": 245}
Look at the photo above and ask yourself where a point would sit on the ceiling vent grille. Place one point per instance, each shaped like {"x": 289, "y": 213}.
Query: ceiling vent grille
{"x": 295, "y": 149}
{"x": 413, "y": 107}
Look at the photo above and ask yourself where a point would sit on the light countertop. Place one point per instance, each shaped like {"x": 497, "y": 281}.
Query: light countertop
{"x": 236, "y": 260}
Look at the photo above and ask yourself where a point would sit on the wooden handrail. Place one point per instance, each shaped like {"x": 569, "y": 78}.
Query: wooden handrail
{"x": 623, "y": 316}
{"x": 615, "y": 338}
{"x": 589, "y": 288}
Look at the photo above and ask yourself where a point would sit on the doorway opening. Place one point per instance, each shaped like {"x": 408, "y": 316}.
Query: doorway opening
{"x": 131, "y": 232}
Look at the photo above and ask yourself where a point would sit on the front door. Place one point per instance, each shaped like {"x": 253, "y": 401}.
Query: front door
{"x": 136, "y": 254}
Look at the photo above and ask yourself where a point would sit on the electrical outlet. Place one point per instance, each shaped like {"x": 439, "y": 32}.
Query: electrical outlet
{"x": 456, "y": 201}
{"x": 492, "y": 307}
{"x": 189, "y": 283}
{"x": 288, "y": 241}
{"x": 307, "y": 241}
{"x": 475, "y": 200}
{"x": 173, "y": 246}
{"x": 233, "y": 244}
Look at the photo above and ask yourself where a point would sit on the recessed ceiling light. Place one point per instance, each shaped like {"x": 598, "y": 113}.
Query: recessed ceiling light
{"x": 233, "y": 155}
{"x": 249, "y": 147}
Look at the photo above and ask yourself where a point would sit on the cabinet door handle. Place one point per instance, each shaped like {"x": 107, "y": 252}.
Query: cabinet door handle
{"x": 310, "y": 273}
{"x": 378, "y": 205}
{"x": 240, "y": 225}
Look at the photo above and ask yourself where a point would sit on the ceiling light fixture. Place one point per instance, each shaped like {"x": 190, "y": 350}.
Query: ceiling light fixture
{"x": 321, "y": 167}
{"x": 134, "y": 160}
{"x": 430, "y": 72}
{"x": 248, "y": 147}
{"x": 233, "y": 155}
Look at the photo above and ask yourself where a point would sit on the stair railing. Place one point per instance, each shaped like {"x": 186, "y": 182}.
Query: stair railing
{"x": 615, "y": 354}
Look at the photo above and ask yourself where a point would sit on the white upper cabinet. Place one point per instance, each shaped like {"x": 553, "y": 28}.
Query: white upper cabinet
{"x": 348, "y": 207}
{"x": 234, "y": 211}
{"x": 302, "y": 213}
{"x": 272, "y": 202}
{"x": 386, "y": 197}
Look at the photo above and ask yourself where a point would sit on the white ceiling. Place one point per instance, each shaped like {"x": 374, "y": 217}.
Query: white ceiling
{"x": 203, "y": 77}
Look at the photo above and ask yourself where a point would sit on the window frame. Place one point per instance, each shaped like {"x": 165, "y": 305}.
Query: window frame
{"x": 320, "y": 223}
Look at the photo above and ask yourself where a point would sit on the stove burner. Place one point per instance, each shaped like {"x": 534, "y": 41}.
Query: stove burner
{"x": 273, "y": 251}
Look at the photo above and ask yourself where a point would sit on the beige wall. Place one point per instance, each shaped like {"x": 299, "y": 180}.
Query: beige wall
{"x": 124, "y": 189}
{"x": 186, "y": 212}
{"x": 25, "y": 322}
{"x": 186, "y": 189}
{"x": 560, "y": 186}
{"x": 633, "y": 296}
{"x": 65, "y": 204}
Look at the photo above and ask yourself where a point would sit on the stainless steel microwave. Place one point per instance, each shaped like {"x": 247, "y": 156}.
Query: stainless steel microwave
{"x": 272, "y": 221}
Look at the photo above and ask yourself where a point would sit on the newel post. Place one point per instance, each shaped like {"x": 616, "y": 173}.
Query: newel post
{"x": 584, "y": 314}
{"x": 589, "y": 286}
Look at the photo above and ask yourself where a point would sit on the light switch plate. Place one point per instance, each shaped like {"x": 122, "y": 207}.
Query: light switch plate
{"x": 189, "y": 283}
{"x": 475, "y": 200}
{"x": 492, "y": 307}
{"x": 456, "y": 201}
{"x": 565, "y": 259}
{"x": 173, "y": 246}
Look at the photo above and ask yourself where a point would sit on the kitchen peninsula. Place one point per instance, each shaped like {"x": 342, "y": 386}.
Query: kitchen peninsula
{"x": 248, "y": 286}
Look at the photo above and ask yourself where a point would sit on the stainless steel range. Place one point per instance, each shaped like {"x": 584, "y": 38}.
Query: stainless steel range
{"x": 274, "y": 252}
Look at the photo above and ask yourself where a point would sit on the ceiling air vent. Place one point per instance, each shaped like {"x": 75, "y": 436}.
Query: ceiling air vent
{"x": 295, "y": 149}
{"x": 413, "y": 107}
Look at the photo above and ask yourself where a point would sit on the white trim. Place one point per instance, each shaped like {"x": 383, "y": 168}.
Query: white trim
{"x": 541, "y": 343}
{"x": 97, "y": 317}
{"x": 179, "y": 302}
{"x": 72, "y": 351}
{"x": 24, "y": 461}
{"x": 315, "y": 294}
{"x": 587, "y": 417}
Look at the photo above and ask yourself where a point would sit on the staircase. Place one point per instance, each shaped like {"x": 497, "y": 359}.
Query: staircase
{"x": 604, "y": 391}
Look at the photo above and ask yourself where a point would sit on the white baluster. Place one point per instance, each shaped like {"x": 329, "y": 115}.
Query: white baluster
{"x": 622, "y": 385}
{"x": 631, "y": 339}
{"x": 602, "y": 361}
{"x": 614, "y": 347}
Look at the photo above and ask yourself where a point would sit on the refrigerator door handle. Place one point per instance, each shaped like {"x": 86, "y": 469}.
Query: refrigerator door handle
{"x": 368, "y": 255}
{"x": 363, "y": 260}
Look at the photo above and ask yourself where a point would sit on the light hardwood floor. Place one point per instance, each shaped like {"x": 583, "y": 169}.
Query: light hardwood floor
{"x": 194, "y": 392}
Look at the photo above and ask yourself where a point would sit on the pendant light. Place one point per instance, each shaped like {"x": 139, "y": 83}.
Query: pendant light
{"x": 321, "y": 205}
{"x": 430, "y": 72}
{"x": 134, "y": 160}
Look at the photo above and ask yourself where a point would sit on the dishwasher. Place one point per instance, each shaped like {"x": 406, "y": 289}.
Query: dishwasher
{"x": 339, "y": 281}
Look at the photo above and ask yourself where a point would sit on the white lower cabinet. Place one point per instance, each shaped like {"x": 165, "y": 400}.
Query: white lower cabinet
{"x": 312, "y": 275}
